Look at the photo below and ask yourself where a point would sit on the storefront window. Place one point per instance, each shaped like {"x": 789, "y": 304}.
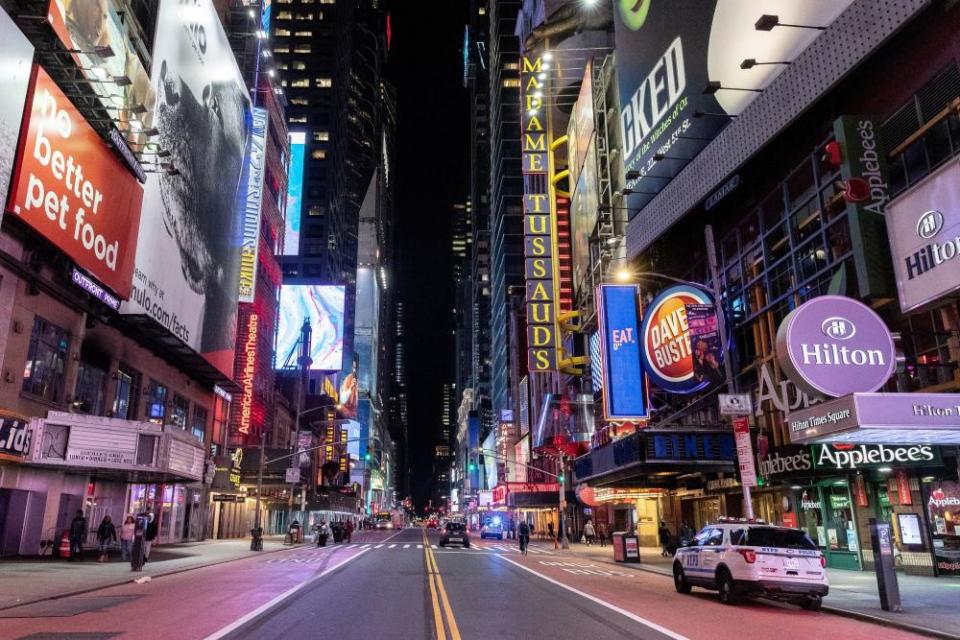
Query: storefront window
{"x": 943, "y": 508}
{"x": 199, "y": 424}
{"x": 179, "y": 411}
{"x": 156, "y": 402}
{"x": 88, "y": 397}
{"x": 841, "y": 530}
{"x": 46, "y": 359}
{"x": 811, "y": 516}
{"x": 125, "y": 403}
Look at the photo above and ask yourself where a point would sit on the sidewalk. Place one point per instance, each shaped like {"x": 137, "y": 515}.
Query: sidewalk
{"x": 931, "y": 606}
{"x": 25, "y": 580}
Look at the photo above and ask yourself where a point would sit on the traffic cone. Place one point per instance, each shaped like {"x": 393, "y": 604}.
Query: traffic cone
{"x": 64, "y": 550}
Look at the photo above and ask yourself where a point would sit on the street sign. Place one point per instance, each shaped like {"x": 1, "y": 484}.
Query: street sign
{"x": 735, "y": 404}
{"x": 293, "y": 475}
{"x": 741, "y": 435}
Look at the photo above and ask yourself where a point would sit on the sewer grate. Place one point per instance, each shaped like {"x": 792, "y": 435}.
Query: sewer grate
{"x": 66, "y": 607}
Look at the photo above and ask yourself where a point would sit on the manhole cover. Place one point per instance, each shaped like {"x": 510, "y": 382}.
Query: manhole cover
{"x": 66, "y": 607}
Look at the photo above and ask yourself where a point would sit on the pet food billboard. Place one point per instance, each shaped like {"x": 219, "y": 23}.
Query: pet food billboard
{"x": 188, "y": 262}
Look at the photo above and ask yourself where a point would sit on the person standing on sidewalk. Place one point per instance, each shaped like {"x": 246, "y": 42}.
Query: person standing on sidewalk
{"x": 589, "y": 532}
{"x": 664, "y": 534}
{"x": 106, "y": 534}
{"x": 78, "y": 531}
{"x": 349, "y": 530}
{"x": 602, "y": 534}
{"x": 149, "y": 535}
{"x": 523, "y": 532}
{"x": 552, "y": 537}
{"x": 126, "y": 537}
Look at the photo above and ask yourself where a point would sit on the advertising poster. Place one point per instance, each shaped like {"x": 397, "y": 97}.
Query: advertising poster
{"x": 706, "y": 343}
{"x": 350, "y": 388}
{"x": 943, "y": 510}
{"x": 669, "y": 52}
{"x": 250, "y": 199}
{"x": 15, "y": 78}
{"x": 291, "y": 237}
{"x": 74, "y": 191}
{"x": 322, "y": 306}
{"x": 584, "y": 206}
{"x": 624, "y": 388}
{"x": 188, "y": 264}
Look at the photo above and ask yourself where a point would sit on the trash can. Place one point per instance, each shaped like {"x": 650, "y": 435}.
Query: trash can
{"x": 256, "y": 539}
{"x": 626, "y": 547}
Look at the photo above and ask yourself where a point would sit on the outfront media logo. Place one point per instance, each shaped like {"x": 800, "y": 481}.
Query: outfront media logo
{"x": 634, "y": 12}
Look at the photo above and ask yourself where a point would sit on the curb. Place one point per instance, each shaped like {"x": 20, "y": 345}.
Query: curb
{"x": 152, "y": 576}
{"x": 846, "y": 613}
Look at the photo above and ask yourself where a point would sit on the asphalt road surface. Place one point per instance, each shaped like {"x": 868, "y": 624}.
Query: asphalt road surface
{"x": 400, "y": 585}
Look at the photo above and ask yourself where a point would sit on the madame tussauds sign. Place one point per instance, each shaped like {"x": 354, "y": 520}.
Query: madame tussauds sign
{"x": 834, "y": 345}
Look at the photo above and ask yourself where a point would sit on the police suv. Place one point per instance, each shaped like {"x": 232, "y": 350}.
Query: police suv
{"x": 740, "y": 557}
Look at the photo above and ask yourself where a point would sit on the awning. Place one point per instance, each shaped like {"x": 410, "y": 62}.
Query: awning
{"x": 880, "y": 418}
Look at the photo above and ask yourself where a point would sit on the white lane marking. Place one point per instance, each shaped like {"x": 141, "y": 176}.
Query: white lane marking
{"x": 233, "y": 626}
{"x": 364, "y": 546}
{"x": 433, "y": 546}
{"x": 419, "y": 546}
{"x": 393, "y": 546}
{"x": 378, "y": 546}
{"x": 406, "y": 546}
{"x": 647, "y": 623}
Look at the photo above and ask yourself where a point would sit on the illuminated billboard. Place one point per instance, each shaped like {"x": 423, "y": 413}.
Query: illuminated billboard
{"x": 249, "y": 199}
{"x": 322, "y": 306}
{"x": 291, "y": 239}
{"x": 188, "y": 255}
{"x": 624, "y": 385}
{"x": 15, "y": 76}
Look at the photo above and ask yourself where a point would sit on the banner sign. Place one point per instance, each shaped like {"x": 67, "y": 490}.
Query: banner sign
{"x": 624, "y": 385}
{"x": 15, "y": 78}
{"x": 96, "y": 37}
{"x": 706, "y": 344}
{"x": 665, "y": 335}
{"x": 74, "y": 191}
{"x": 291, "y": 236}
{"x": 15, "y": 437}
{"x": 834, "y": 345}
{"x": 691, "y": 447}
{"x": 188, "y": 259}
{"x": 541, "y": 258}
{"x": 251, "y": 198}
{"x": 923, "y": 226}
{"x": 943, "y": 510}
{"x": 741, "y": 434}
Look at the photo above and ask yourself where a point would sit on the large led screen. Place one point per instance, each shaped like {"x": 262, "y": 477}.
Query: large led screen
{"x": 322, "y": 306}
{"x": 291, "y": 239}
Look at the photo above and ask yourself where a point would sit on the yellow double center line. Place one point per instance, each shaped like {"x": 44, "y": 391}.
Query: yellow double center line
{"x": 438, "y": 596}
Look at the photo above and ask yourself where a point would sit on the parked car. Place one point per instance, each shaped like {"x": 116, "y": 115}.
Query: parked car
{"x": 455, "y": 533}
{"x": 739, "y": 557}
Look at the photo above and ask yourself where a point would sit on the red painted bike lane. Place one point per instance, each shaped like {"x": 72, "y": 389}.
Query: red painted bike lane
{"x": 652, "y": 598}
{"x": 184, "y": 606}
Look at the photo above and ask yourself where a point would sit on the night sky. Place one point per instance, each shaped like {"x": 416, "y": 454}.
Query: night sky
{"x": 426, "y": 65}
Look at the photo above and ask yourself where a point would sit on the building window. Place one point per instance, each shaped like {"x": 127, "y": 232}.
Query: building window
{"x": 298, "y": 119}
{"x": 301, "y": 83}
{"x": 125, "y": 402}
{"x": 180, "y": 411}
{"x": 299, "y": 65}
{"x": 300, "y": 102}
{"x": 319, "y": 154}
{"x": 303, "y": 34}
{"x": 511, "y": 82}
{"x": 156, "y": 402}
{"x": 302, "y": 48}
{"x": 321, "y": 136}
{"x": 147, "y": 450}
{"x": 281, "y": 32}
{"x": 324, "y": 83}
{"x": 199, "y": 424}
{"x": 221, "y": 413}
{"x": 88, "y": 394}
{"x": 46, "y": 360}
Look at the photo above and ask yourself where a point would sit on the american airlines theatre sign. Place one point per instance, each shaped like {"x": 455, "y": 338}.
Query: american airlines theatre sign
{"x": 838, "y": 347}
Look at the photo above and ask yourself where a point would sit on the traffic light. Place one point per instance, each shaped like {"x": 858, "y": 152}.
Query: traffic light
{"x": 560, "y": 478}
{"x": 367, "y": 457}
{"x": 471, "y": 466}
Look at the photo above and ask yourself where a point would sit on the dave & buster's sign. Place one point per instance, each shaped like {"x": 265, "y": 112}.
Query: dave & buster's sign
{"x": 669, "y": 357}
{"x": 71, "y": 188}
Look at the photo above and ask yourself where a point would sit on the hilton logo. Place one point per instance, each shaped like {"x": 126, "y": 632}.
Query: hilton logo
{"x": 838, "y": 328}
{"x": 934, "y": 254}
{"x": 929, "y": 224}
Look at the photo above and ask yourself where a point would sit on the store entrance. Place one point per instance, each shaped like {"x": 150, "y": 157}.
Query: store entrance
{"x": 826, "y": 514}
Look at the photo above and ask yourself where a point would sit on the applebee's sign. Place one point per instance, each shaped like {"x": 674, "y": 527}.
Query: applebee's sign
{"x": 834, "y": 345}
{"x": 848, "y": 456}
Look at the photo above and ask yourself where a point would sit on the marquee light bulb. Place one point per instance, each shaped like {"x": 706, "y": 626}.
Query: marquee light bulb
{"x": 548, "y": 55}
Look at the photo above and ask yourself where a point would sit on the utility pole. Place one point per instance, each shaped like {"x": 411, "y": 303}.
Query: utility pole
{"x": 561, "y": 520}
{"x": 303, "y": 361}
{"x": 722, "y": 328}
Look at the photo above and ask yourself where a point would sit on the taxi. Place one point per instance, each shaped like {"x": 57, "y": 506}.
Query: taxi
{"x": 739, "y": 557}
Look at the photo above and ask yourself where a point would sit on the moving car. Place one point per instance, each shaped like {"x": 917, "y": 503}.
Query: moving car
{"x": 384, "y": 521}
{"x": 454, "y": 533}
{"x": 492, "y": 528}
{"x": 433, "y": 523}
{"x": 739, "y": 557}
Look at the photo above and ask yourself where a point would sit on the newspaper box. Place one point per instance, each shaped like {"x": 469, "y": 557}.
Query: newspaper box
{"x": 626, "y": 547}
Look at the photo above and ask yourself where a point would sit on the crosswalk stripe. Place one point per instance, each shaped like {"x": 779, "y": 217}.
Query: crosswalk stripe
{"x": 419, "y": 546}
{"x": 393, "y": 546}
{"x": 364, "y": 546}
{"x": 406, "y": 546}
{"x": 433, "y": 546}
{"x": 378, "y": 546}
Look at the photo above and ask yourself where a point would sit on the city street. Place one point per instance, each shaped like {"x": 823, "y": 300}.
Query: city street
{"x": 421, "y": 591}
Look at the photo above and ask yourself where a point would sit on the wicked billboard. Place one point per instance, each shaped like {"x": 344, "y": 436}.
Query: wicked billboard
{"x": 188, "y": 265}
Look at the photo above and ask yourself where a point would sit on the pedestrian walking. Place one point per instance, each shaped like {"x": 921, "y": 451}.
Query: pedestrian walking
{"x": 349, "y": 530}
{"x": 664, "y": 534}
{"x": 150, "y": 534}
{"x": 523, "y": 531}
{"x": 78, "y": 531}
{"x": 589, "y": 532}
{"x": 323, "y": 532}
{"x": 550, "y": 534}
{"x": 106, "y": 534}
{"x": 126, "y": 537}
{"x": 602, "y": 533}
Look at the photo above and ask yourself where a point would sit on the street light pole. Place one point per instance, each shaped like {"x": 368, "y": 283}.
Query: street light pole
{"x": 303, "y": 361}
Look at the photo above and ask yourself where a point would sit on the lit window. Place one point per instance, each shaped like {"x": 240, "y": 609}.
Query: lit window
{"x": 281, "y": 32}
{"x": 299, "y": 66}
{"x": 281, "y": 49}
{"x": 324, "y": 83}
{"x": 302, "y": 48}
{"x": 304, "y": 16}
{"x": 319, "y": 154}
{"x": 482, "y": 11}
{"x": 327, "y": 1}
{"x": 512, "y": 66}
{"x": 298, "y": 119}
{"x": 302, "y": 82}
{"x": 284, "y": 15}
{"x": 511, "y": 82}
{"x": 304, "y": 34}
{"x": 300, "y": 102}
{"x": 321, "y": 136}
